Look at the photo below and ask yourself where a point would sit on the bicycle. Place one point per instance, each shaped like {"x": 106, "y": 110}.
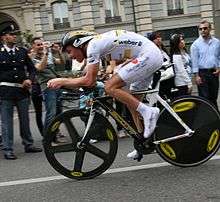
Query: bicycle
{"x": 187, "y": 134}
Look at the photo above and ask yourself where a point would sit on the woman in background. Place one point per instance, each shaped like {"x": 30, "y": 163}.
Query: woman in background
{"x": 182, "y": 64}
{"x": 168, "y": 84}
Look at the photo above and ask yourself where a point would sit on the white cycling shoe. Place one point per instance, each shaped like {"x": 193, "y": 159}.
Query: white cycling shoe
{"x": 153, "y": 119}
{"x": 150, "y": 123}
{"x": 133, "y": 155}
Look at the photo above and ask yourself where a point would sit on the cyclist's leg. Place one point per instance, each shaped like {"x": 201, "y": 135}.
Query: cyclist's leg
{"x": 137, "y": 70}
{"x": 136, "y": 117}
{"x": 153, "y": 112}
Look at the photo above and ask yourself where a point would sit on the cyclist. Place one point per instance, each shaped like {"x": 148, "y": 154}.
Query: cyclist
{"x": 137, "y": 59}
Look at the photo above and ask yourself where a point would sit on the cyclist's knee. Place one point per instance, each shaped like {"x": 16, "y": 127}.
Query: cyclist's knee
{"x": 109, "y": 88}
{"x": 112, "y": 85}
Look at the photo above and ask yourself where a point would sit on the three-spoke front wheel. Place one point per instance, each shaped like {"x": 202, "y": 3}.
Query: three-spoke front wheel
{"x": 80, "y": 161}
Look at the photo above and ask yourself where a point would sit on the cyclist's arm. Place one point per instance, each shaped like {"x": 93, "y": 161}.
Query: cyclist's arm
{"x": 88, "y": 80}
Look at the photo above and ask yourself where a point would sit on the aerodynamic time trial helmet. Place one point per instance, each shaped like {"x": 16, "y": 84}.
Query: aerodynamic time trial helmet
{"x": 76, "y": 38}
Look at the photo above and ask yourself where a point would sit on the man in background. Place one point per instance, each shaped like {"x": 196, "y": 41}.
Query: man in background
{"x": 45, "y": 62}
{"x": 205, "y": 55}
{"x": 14, "y": 90}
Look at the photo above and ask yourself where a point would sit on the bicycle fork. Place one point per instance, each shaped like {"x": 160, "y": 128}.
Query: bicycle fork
{"x": 188, "y": 131}
{"x": 90, "y": 120}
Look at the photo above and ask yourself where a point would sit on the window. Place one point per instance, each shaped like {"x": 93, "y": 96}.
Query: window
{"x": 175, "y": 7}
{"x": 217, "y": 5}
{"x": 60, "y": 15}
{"x": 111, "y": 11}
{"x": 190, "y": 34}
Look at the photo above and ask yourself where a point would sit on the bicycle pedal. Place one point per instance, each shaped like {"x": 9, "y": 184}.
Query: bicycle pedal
{"x": 144, "y": 146}
{"x": 139, "y": 157}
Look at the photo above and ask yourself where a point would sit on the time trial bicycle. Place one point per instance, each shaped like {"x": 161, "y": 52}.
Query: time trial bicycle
{"x": 187, "y": 134}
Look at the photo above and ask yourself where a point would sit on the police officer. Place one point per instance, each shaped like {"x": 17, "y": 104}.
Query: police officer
{"x": 14, "y": 90}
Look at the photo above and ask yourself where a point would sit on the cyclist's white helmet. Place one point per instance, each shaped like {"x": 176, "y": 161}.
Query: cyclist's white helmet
{"x": 76, "y": 38}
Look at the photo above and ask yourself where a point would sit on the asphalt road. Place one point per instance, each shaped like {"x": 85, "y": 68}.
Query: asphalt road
{"x": 31, "y": 178}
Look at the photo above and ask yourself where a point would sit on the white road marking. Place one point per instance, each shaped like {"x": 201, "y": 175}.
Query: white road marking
{"x": 114, "y": 170}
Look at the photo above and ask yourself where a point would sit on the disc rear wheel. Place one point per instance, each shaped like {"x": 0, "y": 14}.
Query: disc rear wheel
{"x": 202, "y": 118}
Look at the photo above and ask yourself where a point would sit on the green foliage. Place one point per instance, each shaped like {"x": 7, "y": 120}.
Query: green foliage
{"x": 27, "y": 36}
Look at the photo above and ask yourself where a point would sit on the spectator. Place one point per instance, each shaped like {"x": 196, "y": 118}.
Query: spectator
{"x": 14, "y": 86}
{"x": 182, "y": 63}
{"x": 168, "y": 84}
{"x": 45, "y": 65}
{"x": 205, "y": 53}
{"x": 37, "y": 99}
{"x": 59, "y": 67}
{"x": 77, "y": 68}
{"x": 0, "y": 126}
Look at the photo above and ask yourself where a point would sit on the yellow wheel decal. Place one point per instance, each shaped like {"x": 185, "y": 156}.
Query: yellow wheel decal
{"x": 213, "y": 140}
{"x": 109, "y": 134}
{"x": 183, "y": 106}
{"x": 55, "y": 126}
{"x": 168, "y": 151}
{"x": 76, "y": 174}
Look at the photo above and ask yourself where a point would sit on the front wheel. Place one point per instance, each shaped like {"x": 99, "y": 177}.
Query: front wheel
{"x": 203, "y": 118}
{"x": 88, "y": 160}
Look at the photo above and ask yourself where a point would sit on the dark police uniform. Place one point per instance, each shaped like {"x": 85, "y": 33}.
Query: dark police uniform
{"x": 13, "y": 70}
{"x": 14, "y": 66}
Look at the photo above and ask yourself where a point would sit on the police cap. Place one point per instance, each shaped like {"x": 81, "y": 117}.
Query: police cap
{"x": 8, "y": 27}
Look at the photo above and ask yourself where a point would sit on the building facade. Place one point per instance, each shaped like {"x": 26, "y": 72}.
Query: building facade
{"x": 50, "y": 19}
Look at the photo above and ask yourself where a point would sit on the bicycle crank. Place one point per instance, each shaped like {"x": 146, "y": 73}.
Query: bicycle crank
{"x": 144, "y": 146}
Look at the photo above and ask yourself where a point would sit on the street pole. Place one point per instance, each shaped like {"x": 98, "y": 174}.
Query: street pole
{"x": 134, "y": 16}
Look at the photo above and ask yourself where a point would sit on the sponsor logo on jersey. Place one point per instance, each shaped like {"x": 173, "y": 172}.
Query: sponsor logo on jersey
{"x": 129, "y": 42}
{"x": 135, "y": 61}
{"x": 139, "y": 43}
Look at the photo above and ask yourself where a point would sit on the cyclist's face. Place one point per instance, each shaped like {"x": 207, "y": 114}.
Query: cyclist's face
{"x": 75, "y": 53}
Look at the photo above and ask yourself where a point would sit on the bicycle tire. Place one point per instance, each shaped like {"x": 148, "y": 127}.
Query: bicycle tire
{"x": 74, "y": 162}
{"x": 202, "y": 117}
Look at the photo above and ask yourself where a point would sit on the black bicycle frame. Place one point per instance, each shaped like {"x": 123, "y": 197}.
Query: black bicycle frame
{"x": 103, "y": 103}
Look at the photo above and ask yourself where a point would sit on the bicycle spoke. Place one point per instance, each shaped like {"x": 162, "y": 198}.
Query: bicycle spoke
{"x": 62, "y": 148}
{"x": 83, "y": 161}
{"x": 80, "y": 154}
{"x": 96, "y": 151}
{"x": 71, "y": 130}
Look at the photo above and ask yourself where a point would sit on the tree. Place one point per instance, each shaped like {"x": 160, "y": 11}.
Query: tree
{"x": 27, "y": 37}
